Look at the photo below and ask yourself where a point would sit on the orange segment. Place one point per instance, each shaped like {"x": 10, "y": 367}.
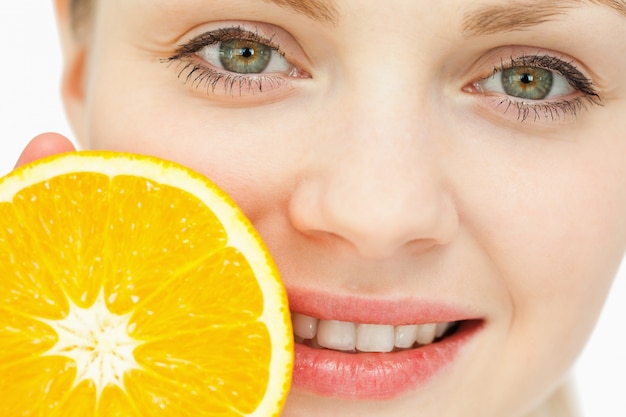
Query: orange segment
{"x": 133, "y": 287}
{"x": 26, "y": 285}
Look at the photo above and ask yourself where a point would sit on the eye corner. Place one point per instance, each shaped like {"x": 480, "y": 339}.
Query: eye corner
{"x": 474, "y": 87}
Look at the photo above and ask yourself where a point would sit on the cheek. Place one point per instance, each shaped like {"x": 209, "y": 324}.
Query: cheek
{"x": 248, "y": 152}
{"x": 558, "y": 236}
{"x": 550, "y": 218}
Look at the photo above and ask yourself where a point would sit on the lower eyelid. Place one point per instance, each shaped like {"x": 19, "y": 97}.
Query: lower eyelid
{"x": 251, "y": 88}
{"x": 543, "y": 112}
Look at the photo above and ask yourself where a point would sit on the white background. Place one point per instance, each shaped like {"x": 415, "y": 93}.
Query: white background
{"x": 29, "y": 104}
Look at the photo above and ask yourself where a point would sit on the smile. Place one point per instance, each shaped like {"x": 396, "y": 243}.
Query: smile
{"x": 359, "y": 337}
{"x": 366, "y": 348}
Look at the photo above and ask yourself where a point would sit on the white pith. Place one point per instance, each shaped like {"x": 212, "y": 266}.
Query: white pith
{"x": 361, "y": 337}
{"x": 98, "y": 342}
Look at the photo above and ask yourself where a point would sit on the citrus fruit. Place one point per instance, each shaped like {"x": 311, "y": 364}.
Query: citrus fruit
{"x": 132, "y": 286}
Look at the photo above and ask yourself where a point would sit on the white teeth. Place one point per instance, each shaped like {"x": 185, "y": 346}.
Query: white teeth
{"x": 304, "y": 326}
{"x": 375, "y": 338}
{"x": 406, "y": 336}
{"x": 426, "y": 333}
{"x": 347, "y": 336}
{"x": 337, "y": 335}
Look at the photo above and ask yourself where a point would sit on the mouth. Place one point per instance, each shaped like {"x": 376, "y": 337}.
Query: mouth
{"x": 365, "y": 349}
{"x": 350, "y": 337}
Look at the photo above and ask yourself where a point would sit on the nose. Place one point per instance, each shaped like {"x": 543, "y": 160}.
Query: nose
{"x": 376, "y": 185}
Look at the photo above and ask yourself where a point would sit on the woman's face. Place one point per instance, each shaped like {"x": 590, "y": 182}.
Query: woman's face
{"x": 407, "y": 162}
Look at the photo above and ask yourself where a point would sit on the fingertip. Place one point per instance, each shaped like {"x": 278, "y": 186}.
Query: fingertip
{"x": 43, "y": 145}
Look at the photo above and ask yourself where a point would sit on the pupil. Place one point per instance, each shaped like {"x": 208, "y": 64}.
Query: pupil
{"x": 527, "y": 78}
{"x": 247, "y": 52}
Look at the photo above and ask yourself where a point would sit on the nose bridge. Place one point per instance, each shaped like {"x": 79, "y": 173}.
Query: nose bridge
{"x": 383, "y": 167}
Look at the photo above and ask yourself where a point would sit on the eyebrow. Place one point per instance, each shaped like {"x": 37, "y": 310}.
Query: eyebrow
{"x": 319, "y": 10}
{"x": 520, "y": 15}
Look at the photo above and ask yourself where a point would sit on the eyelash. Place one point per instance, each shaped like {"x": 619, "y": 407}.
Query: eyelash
{"x": 550, "y": 110}
{"x": 200, "y": 74}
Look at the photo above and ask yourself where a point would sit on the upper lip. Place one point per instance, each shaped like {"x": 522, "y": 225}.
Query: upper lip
{"x": 369, "y": 309}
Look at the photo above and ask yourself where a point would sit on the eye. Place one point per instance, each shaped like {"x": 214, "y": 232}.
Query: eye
{"x": 536, "y": 87}
{"x": 242, "y": 56}
{"x": 526, "y": 82}
{"x": 239, "y": 61}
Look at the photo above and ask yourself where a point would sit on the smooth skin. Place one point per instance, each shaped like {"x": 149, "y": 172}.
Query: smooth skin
{"x": 383, "y": 166}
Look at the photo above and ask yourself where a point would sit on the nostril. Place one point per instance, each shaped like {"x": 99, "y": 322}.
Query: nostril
{"x": 374, "y": 237}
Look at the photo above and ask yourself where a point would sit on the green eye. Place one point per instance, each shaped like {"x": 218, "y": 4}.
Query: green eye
{"x": 527, "y": 82}
{"x": 244, "y": 57}
{"x": 540, "y": 86}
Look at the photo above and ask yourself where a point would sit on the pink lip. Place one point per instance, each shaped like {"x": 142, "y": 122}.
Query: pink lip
{"x": 369, "y": 310}
{"x": 376, "y": 375}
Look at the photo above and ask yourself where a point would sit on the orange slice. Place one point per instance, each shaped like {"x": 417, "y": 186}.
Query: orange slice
{"x": 132, "y": 286}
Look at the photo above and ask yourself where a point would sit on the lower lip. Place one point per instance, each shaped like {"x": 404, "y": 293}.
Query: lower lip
{"x": 376, "y": 375}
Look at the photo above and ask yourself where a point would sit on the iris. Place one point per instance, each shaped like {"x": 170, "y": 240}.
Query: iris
{"x": 244, "y": 56}
{"x": 527, "y": 82}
